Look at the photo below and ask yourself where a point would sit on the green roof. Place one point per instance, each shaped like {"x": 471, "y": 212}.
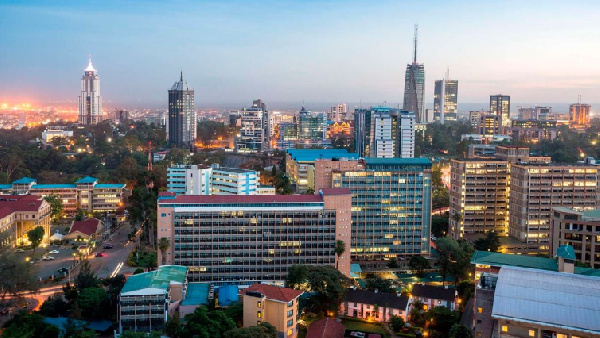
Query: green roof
{"x": 566, "y": 251}
{"x": 110, "y": 186}
{"x": 25, "y": 180}
{"x": 157, "y": 279}
{"x": 87, "y": 180}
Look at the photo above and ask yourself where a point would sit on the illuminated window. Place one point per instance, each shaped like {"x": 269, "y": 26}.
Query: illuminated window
{"x": 504, "y": 328}
{"x": 258, "y": 304}
{"x": 560, "y": 335}
{"x": 258, "y": 322}
{"x": 259, "y": 314}
{"x": 479, "y": 310}
{"x": 290, "y": 331}
{"x": 531, "y": 333}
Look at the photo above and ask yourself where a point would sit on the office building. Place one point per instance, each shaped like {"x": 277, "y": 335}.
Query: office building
{"x": 312, "y": 128}
{"x": 445, "y": 101}
{"x": 90, "y": 101}
{"x": 337, "y": 113}
{"x": 579, "y": 229}
{"x": 19, "y": 214}
{"x": 254, "y": 136}
{"x": 525, "y": 296}
{"x": 536, "y": 188}
{"x": 287, "y": 135}
{"x": 474, "y": 118}
{"x": 500, "y": 106}
{"x": 479, "y": 192}
{"x": 405, "y": 134}
{"x": 533, "y": 130}
{"x": 300, "y": 165}
{"x": 275, "y": 305}
{"x": 323, "y": 169}
{"x": 414, "y": 85}
{"x": 52, "y": 132}
{"x": 384, "y": 132}
{"x": 149, "y": 298}
{"x": 489, "y": 124}
{"x": 123, "y": 116}
{"x": 213, "y": 180}
{"x": 391, "y": 208}
{"x": 579, "y": 114}
{"x": 86, "y": 194}
{"x": 258, "y": 238}
{"x": 181, "y": 130}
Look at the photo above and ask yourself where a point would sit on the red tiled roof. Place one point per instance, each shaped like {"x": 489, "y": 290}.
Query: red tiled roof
{"x": 87, "y": 227}
{"x": 12, "y": 203}
{"x": 242, "y": 199}
{"x": 326, "y": 328}
{"x": 336, "y": 191}
{"x": 275, "y": 292}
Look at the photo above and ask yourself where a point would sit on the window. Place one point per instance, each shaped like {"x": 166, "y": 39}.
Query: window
{"x": 439, "y": 301}
{"x": 259, "y": 314}
{"x": 258, "y": 322}
{"x": 290, "y": 322}
{"x": 290, "y": 332}
{"x": 504, "y": 328}
{"x": 561, "y": 335}
{"x": 531, "y": 333}
{"x": 259, "y": 304}
{"x": 291, "y": 303}
{"x": 290, "y": 313}
{"x": 479, "y": 310}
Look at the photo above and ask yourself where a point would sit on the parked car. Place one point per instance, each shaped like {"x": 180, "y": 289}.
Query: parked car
{"x": 63, "y": 270}
{"x": 100, "y": 254}
{"x": 108, "y": 246}
{"x": 53, "y": 252}
{"x": 48, "y": 258}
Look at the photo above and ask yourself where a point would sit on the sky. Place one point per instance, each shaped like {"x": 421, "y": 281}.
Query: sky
{"x": 296, "y": 52}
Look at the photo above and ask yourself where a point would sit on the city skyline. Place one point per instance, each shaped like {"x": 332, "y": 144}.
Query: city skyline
{"x": 295, "y": 61}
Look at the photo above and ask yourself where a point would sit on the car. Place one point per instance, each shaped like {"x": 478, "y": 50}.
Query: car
{"x": 100, "y": 254}
{"x": 108, "y": 246}
{"x": 19, "y": 250}
{"x": 63, "y": 270}
{"x": 53, "y": 252}
{"x": 48, "y": 258}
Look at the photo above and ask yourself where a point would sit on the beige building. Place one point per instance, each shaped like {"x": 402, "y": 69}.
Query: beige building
{"x": 537, "y": 188}
{"x": 274, "y": 305}
{"x": 322, "y": 171}
{"x": 579, "y": 229}
{"x": 479, "y": 192}
{"x": 19, "y": 214}
{"x": 300, "y": 165}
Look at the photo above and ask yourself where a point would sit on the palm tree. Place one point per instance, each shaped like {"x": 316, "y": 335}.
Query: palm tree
{"x": 163, "y": 245}
{"x": 340, "y": 248}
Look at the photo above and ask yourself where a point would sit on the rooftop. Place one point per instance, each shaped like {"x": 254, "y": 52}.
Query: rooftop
{"x": 236, "y": 199}
{"x": 110, "y": 186}
{"x": 25, "y": 180}
{"x": 566, "y": 252}
{"x": 196, "y": 294}
{"x": 335, "y": 191}
{"x": 310, "y": 155}
{"x": 326, "y": 328}
{"x": 560, "y": 300}
{"x": 397, "y": 161}
{"x": 433, "y": 292}
{"x": 157, "y": 279}
{"x": 87, "y": 180}
{"x": 588, "y": 215}
{"x": 87, "y": 227}
{"x": 54, "y": 186}
{"x": 275, "y": 292}
{"x": 17, "y": 203}
{"x": 379, "y": 298}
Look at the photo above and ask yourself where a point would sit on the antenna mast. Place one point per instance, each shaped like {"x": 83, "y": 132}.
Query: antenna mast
{"x": 415, "y": 43}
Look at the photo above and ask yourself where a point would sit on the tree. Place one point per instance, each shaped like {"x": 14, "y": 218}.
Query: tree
{"x": 416, "y": 315}
{"x": 439, "y": 226}
{"x": 90, "y": 301}
{"x": 454, "y": 258}
{"x": 235, "y": 311}
{"x": 340, "y": 248}
{"x": 460, "y": 331}
{"x": 441, "y": 319}
{"x": 16, "y": 276}
{"x": 163, "y": 244}
{"x": 418, "y": 264}
{"x": 173, "y": 327}
{"x": 86, "y": 278}
{"x": 265, "y": 330}
{"x": 35, "y": 236}
{"x": 397, "y": 323}
{"x": 54, "y": 306}
{"x": 326, "y": 281}
{"x": 25, "y": 325}
{"x": 56, "y": 206}
{"x": 133, "y": 334}
{"x": 381, "y": 285}
{"x": 491, "y": 242}
{"x": 393, "y": 263}
{"x": 205, "y": 323}
{"x": 297, "y": 277}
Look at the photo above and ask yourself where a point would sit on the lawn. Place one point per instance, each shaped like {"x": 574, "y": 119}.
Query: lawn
{"x": 364, "y": 326}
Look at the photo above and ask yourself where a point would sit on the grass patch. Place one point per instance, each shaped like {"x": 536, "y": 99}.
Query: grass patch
{"x": 364, "y": 326}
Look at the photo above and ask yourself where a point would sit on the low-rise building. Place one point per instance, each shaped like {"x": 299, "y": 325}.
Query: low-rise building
{"x": 300, "y": 164}
{"x": 89, "y": 229}
{"x": 579, "y": 229}
{"x": 272, "y": 304}
{"x": 147, "y": 299}
{"x": 432, "y": 296}
{"x": 374, "y": 305}
{"x": 19, "y": 214}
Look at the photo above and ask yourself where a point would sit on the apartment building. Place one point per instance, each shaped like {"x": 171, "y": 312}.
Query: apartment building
{"x": 391, "y": 208}
{"x": 147, "y": 299}
{"x": 19, "y": 214}
{"x": 213, "y": 180}
{"x": 579, "y": 229}
{"x": 249, "y": 239}
{"x": 537, "y": 188}
{"x": 272, "y": 304}
{"x": 374, "y": 305}
{"x": 189, "y": 179}
{"x": 86, "y": 194}
{"x": 479, "y": 193}
{"x": 300, "y": 164}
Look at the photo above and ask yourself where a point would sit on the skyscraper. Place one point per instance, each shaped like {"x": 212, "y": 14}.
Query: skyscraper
{"x": 445, "y": 100}
{"x": 90, "y": 101}
{"x": 500, "y": 106}
{"x": 254, "y": 136}
{"x": 579, "y": 114}
{"x": 384, "y": 132}
{"x": 414, "y": 85}
{"x": 182, "y": 116}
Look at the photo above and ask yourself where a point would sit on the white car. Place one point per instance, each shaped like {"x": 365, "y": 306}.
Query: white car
{"x": 53, "y": 252}
{"x": 48, "y": 258}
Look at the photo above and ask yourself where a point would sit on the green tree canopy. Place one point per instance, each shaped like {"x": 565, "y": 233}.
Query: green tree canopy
{"x": 56, "y": 206}
{"x": 264, "y": 330}
{"x": 35, "y": 236}
{"x": 90, "y": 302}
{"x": 204, "y": 323}
{"x": 418, "y": 264}
{"x": 379, "y": 284}
{"x": 491, "y": 242}
{"x": 328, "y": 283}
{"x": 460, "y": 331}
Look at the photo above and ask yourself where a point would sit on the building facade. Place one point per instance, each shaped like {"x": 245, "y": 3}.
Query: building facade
{"x": 500, "y": 106}
{"x": 479, "y": 196}
{"x": 579, "y": 114}
{"x": 249, "y": 239}
{"x": 300, "y": 165}
{"x": 312, "y": 128}
{"x": 189, "y": 179}
{"x": 537, "y": 188}
{"x": 384, "y": 132}
{"x": 445, "y": 100}
{"x": 391, "y": 208}
{"x": 374, "y": 305}
{"x": 182, "y": 121}
{"x": 213, "y": 180}
{"x": 90, "y": 101}
{"x": 19, "y": 214}
{"x": 579, "y": 229}
{"x": 277, "y": 306}
{"x": 414, "y": 86}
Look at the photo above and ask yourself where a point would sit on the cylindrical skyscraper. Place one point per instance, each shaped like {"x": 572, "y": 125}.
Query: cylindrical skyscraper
{"x": 90, "y": 101}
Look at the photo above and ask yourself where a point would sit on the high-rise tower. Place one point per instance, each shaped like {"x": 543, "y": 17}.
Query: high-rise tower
{"x": 500, "y": 106}
{"x": 414, "y": 85}
{"x": 90, "y": 101}
{"x": 182, "y": 116}
{"x": 445, "y": 100}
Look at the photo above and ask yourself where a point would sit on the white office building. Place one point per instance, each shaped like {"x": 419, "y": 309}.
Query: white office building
{"x": 198, "y": 180}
